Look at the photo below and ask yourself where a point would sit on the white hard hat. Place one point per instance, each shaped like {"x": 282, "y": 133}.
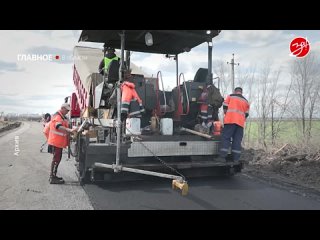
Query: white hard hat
{"x": 66, "y": 106}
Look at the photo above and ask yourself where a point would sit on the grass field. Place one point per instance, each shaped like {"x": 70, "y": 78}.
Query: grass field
{"x": 289, "y": 132}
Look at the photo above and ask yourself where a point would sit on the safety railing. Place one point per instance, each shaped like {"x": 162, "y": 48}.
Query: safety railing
{"x": 159, "y": 112}
{"x": 180, "y": 106}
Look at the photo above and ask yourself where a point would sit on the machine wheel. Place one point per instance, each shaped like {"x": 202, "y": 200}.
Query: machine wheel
{"x": 84, "y": 176}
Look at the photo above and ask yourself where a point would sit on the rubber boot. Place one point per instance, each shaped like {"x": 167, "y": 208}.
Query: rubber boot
{"x": 229, "y": 158}
{"x": 56, "y": 170}
{"x": 53, "y": 178}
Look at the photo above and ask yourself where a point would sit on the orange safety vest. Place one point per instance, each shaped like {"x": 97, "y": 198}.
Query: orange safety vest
{"x": 46, "y": 129}
{"x": 129, "y": 94}
{"x": 237, "y": 107}
{"x": 58, "y": 138}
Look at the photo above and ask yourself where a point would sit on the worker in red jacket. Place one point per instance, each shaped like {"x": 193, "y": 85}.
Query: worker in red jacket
{"x": 58, "y": 138}
{"x": 236, "y": 109}
{"x": 206, "y": 109}
{"x": 129, "y": 97}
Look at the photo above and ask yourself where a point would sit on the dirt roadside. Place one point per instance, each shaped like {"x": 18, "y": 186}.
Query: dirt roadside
{"x": 7, "y": 126}
{"x": 290, "y": 165}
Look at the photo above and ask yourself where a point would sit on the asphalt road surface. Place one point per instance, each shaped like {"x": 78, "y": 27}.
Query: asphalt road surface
{"x": 24, "y": 173}
{"x": 241, "y": 192}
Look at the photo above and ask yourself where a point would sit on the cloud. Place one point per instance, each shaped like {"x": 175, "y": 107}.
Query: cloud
{"x": 38, "y": 77}
{"x": 9, "y": 67}
{"x": 9, "y": 94}
{"x": 254, "y": 38}
{"x": 45, "y": 97}
{"x": 14, "y": 42}
{"x": 189, "y": 63}
{"x": 31, "y": 104}
{"x": 42, "y": 32}
{"x": 76, "y": 33}
{"x": 35, "y": 86}
{"x": 9, "y": 101}
{"x": 56, "y": 34}
{"x": 61, "y": 85}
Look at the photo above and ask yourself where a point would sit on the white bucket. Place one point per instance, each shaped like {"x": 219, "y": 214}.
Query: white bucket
{"x": 166, "y": 126}
{"x": 133, "y": 126}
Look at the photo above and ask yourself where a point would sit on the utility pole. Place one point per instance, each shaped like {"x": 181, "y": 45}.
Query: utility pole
{"x": 232, "y": 70}
{"x": 218, "y": 81}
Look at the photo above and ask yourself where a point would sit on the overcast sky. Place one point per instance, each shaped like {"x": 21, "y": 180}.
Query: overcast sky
{"x": 41, "y": 86}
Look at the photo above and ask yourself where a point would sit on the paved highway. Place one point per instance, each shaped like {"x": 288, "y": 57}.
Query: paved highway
{"x": 24, "y": 173}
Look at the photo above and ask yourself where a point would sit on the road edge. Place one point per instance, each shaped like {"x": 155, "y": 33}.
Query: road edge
{"x": 282, "y": 182}
{"x": 5, "y": 132}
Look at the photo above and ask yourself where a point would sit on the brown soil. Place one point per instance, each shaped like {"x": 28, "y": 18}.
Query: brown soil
{"x": 292, "y": 163}
{"x": 6, "y": 126}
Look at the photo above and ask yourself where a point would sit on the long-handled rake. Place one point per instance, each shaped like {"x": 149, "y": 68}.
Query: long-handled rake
{"x": 42, "y": 146}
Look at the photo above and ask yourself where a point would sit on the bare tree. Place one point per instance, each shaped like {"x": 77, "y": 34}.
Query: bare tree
{"x": 220, "y": 69}
{"x": 273, "y": 100}
{"x": 282, "y": 107}
{"x": 313, "y": 97}
{"x": 266, "y": 95}
{"x": 303, "y": 72}
{"x": 261, "y": 107}
{"x": 246, "y": 81}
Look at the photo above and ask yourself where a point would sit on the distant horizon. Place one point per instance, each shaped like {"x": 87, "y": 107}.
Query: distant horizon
{"x": 21, "y": 114}
{"x": 249, "y": 119}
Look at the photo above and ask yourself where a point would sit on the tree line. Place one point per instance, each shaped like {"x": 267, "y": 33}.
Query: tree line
{"x": 276, "y": 94}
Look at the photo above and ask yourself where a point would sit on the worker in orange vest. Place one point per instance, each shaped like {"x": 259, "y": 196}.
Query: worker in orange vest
{"x": 128, "y": 99}
{"x": 236, "y": 109}
{"x": 58, "y": 138}
{"x": 46, "y": 129}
